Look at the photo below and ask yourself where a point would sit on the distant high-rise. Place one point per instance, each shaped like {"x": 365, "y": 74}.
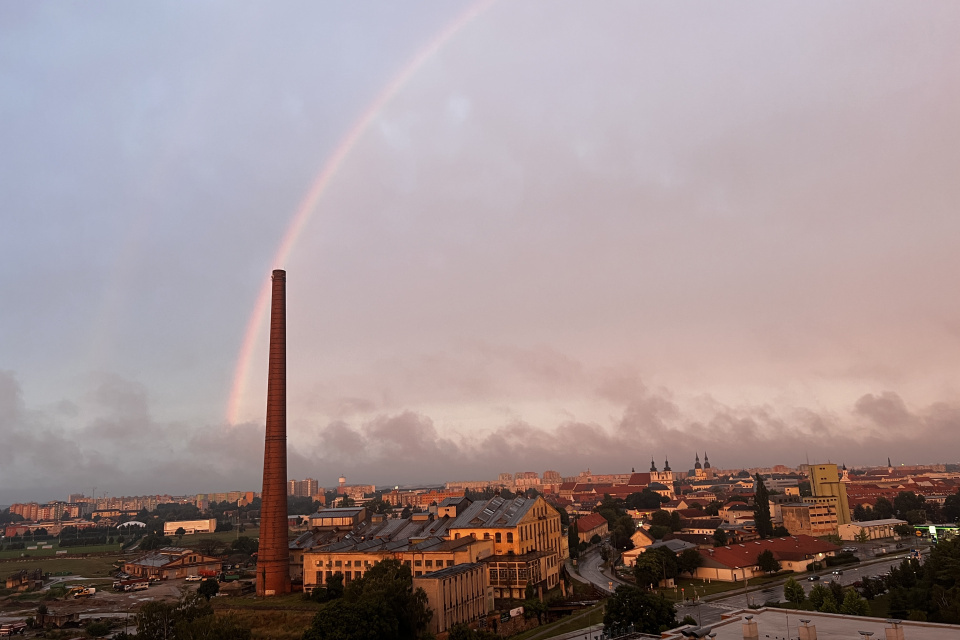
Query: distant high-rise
{"x": 827, "y": 489}
{"x": 273, "y": 557}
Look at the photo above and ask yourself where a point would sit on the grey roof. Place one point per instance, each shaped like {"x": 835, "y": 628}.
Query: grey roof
{"x": 448, "y": 502}
{"x": 676, "y": 546}
{"x": 493, "y": 513}
{"x": 446, "y": 572}
{"x": 879, "y": 523}
{"x": 339, "y": 512}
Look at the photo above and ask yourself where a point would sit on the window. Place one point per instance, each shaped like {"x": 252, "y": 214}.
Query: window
{"x": 418, "y": 563}
{"x": 418, "y": 573}
{"x": 449, "y": 563}
{"x": 510, "y": 536}
{"x": 337, "y": 563}
{"x": 486, "y": 536}
{"x": 499, "y": 535}
{"x": 429, "y": 563}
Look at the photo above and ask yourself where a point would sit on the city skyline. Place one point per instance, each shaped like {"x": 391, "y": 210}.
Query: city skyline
{"x": 725, "y": 230}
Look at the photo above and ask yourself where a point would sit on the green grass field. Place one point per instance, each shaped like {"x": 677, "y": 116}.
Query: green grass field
{"x": 43, "y": 553}
{"x": 579, "y": 620}
{"x": 91, "y": 567}
{"x": 220, "y": 536}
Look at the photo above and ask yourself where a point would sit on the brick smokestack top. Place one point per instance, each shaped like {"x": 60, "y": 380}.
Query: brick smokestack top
{"x": 273, "y": 558}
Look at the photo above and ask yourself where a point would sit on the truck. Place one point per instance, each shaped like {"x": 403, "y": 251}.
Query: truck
{"x": 13, "y": 628}
{"x": 82, "y": 592}
{"x": 128, "y": 585}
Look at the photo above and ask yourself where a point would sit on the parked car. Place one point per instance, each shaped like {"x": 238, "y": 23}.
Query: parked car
{"x": 194, "y": 578}
{"x": 813, "y": 578}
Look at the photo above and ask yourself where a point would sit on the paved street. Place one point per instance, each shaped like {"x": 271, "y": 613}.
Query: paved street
{"x": 589, "y": 570}
{"x": 709, "y": 611}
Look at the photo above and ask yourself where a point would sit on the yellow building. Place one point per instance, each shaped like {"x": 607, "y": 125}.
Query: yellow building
{"x": 456, "y": 594}
{"x": 827, "y": 489}
{"x": 809, "y": 519}
{"x": 353, "y": 558}
{"x": 526, "y": 527}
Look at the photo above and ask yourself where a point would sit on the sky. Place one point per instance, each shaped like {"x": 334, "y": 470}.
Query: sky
{"x": 518, "y": 236}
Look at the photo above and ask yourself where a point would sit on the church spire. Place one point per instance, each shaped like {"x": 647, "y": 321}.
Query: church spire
{"x": 697, "y": 464}
{"x": 653, "y": 466}
{"x": 666, "y": 465}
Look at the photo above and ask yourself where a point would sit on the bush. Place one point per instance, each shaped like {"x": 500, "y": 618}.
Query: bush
{"x": 841, "y": 559}
{"x": 98, "y": 629}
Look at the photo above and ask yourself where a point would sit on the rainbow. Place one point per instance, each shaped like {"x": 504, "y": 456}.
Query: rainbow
{"x": 320, "y": 183}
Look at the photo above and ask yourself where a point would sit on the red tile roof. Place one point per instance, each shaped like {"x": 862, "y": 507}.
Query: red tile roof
{"x": 590, "y": 522}
{"x": 786, "y": 548}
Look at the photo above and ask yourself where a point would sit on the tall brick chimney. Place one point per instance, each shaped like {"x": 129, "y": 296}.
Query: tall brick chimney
{"x": 273, "y": 558}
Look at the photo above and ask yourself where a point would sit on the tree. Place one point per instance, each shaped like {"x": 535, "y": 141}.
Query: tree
{"x": 862, "y": 513}
{"x": 829, "y": 604}
{"x": 903, "y": 530}
{"x": 645, "y": 499}
{"x": 655, "y": 565}
{"x": 158, "y": 620}
{"x": 793, "y": 592}
{"x": 533, "y": 606}
{"x": 817, "y": 595}
{"x": 621, "y": 532}
{"x": 951, "y": 508}
{"x": 657, "y": 532}
{"x": 573, "y": 540}
{"x": 154, "y": 541}
{"x": 661, "y": 518}
{"x": 381, "y": 604}
{"x": 712, "y": 508}
{"x": 245, "y": 545}
{"x": 863, "y": 537}
{"x": 208, "y": 588}
{"x": 916, "y": 516}
{"x": 780, "y": 531}
{"x": 767, "y": 562}
{"x": 720, "y": 538}
{"x": 761, "y": 508}
{"x": 180, "y": 532}
{"x": 648, "y": 613}
{"x": 854, "y": 605}
{"x": 689, "y": 561}
{"x": 207, "y": 546}
{"x": 461, "y": 631}
{"x": 907, "y": 501}
{"x": 882, "y": 509}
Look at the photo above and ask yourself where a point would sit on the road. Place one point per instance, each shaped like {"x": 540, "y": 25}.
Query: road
{"x": 709, "y": 611}
{"x": 588, "y": 567}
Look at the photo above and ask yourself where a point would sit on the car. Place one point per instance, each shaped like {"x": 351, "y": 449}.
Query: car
{"x": 850, "y": 549}
{"x": 838, "y": 572}
{"x": 813, "y": 578}
{"x": 194, "y": 578}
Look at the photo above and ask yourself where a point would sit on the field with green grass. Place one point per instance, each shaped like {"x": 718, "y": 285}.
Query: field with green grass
{"x": 574, "y": 622}
{"x": 43, "y": 553}
{"x": 220, "y": 536}
{"x": 101, "y": 566}
{"x": 279, "y": 618}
